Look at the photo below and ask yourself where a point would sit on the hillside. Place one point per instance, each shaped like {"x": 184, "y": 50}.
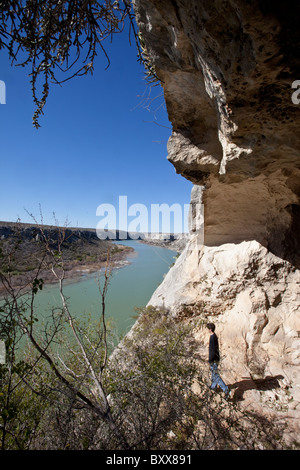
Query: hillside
{"x": 24, "y": 246}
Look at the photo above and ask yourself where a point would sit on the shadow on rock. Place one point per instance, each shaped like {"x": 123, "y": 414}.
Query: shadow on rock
{"x": 268, "y": 383}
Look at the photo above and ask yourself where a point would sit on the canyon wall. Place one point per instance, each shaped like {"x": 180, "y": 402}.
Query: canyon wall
{"x": 227, "y": 68}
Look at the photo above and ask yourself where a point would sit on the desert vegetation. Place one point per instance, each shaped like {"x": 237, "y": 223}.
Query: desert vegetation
{"x": 64, "y": 384}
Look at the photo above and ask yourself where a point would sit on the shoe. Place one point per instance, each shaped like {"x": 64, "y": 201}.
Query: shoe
{"x": 227, "y": 394}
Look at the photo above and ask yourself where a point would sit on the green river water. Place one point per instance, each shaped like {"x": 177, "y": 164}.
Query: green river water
{"x": 130, "y": 286}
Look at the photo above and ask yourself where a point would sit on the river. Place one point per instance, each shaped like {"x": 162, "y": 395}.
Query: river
{"x": 130, "y": 286}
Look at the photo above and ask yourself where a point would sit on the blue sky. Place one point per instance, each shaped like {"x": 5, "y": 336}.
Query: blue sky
{"x": 97, "y": 141}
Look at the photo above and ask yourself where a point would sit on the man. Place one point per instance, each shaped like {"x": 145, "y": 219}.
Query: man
{"x": 213, "y": 359}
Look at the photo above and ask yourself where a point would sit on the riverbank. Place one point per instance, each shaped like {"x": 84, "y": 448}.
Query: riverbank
{"x": 133, "y": 280}
{"x": 28, "y": 252}
{"x": 175, "y": 244}
{"x": 73, "y": 271}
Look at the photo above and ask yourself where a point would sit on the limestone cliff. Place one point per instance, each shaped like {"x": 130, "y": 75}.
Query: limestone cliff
{"x": 227, "y": 68}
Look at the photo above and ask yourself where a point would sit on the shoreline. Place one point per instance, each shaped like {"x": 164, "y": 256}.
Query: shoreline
{"x": 74, "y": 271}
{"x": 174, "y": 245}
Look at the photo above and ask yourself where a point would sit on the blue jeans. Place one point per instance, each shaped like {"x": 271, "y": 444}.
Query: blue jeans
{"x": 216, "y": 379}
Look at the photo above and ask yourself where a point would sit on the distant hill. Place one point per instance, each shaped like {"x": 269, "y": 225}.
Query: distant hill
{"x": 23, "y": 246}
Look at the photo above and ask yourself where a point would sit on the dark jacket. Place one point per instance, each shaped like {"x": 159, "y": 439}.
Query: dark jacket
{"x": 214, "y": 355}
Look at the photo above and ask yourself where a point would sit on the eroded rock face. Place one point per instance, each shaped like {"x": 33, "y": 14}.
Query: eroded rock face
{"x": 227, "y": 69}
{"x": 250, "y": 293}
{"x": 253, "y": 298}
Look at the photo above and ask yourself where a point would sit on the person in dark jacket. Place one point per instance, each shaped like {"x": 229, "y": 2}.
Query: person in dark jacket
{"x": 213, "y": 359}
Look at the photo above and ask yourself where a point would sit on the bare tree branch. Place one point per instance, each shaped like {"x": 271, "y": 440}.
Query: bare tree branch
{"x": 57, "y": 37}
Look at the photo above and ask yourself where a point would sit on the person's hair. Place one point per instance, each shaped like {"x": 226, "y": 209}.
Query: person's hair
{"x": 211, "y": 326}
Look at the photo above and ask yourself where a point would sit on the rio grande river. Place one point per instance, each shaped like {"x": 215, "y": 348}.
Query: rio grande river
{"x": 130, "y": 286}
